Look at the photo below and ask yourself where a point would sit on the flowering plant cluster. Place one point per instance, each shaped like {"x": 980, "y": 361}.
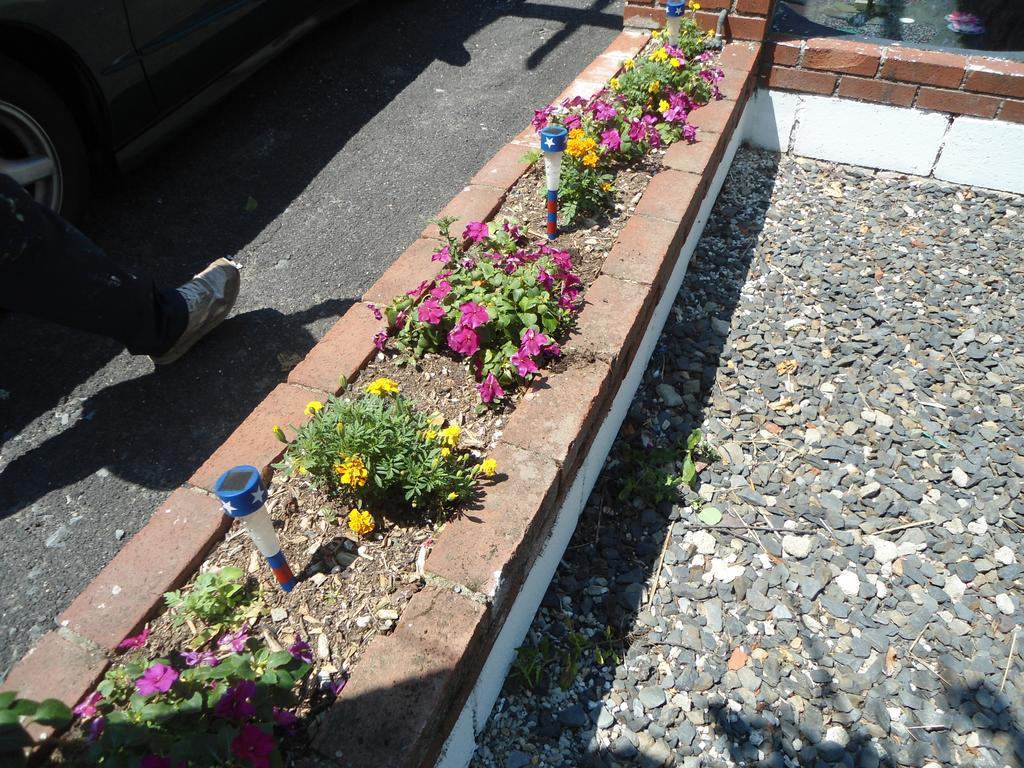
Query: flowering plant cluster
{"x": 223, "y": 707}
{"x": 377, "y": 451}
{"x": 644, "y": 108}
{"x": 499, "y": 304}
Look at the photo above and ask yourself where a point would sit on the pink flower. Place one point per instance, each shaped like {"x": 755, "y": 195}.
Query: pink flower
{"x": 400, "y": 319}
{"x": 568, "y": 299}
{"x": 604, "y": 111}
{"x": 540, "y": 117}
{"x": 418, "y": 290}
{"x": 301, "y": 651}
{"x": 523, "y": 363}
{"x": 380, "y": 339}
{"x": 611, "y": 139}
{"x": 637, "y": 130}
{"x": 155, "y": 761}
{"x": 87, "y": 707}
{"x": 441, "y": 290}
{"x": 195, "y": 658}
{"x": 376, "y": 311}
{"x": 473, "y": 315}
{"x": 255, "y": 745}
{"x": 490, "y": 389}
{"x": 562, "y": 260}
{"x": 237, "y": 640}
{"x": 444, "y": 256}
{"x": 532, "y": 342}
{"x": 476, "y": 231}
{"x": 689, "y": 133}
{"x": 429, "y": 311}
{"x": 513, "y": 230}
{"x": 156, "y": 679}
{"x": 544, "y": 279}
{"x": 138, "y": 641}
{"x": 236, "y": 702}
{"x": 572, "y": 122}
{"x": 463, "y": 340}
{"x": 553, "y": 350}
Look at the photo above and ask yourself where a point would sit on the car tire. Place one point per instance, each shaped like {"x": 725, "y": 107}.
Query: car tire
{"x": 40, "y": 142}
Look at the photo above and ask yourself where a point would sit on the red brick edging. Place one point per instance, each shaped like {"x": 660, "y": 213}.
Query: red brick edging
{"x": 406, "y": 693}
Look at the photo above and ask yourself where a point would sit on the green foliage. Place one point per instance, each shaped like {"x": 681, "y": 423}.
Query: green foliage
{"x": 533, "y": 662}
{"x": 184, "y": 723}
{"x": 654, "y": 475}
{"x": 521, "y": 287}
{"x": 218, "y": 599}
{"x": 582, "y": 191}
{"x": 407, "y": 458}
{"x": 15, "y": 713}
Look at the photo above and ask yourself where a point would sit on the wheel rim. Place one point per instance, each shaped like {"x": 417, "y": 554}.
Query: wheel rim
{"x": 28, "y": 156}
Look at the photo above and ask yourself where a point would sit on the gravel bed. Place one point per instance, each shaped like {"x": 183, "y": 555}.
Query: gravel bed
{"x": 850, "y": 342}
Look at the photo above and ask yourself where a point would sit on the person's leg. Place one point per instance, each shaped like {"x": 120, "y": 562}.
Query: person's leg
{"x": 51, "y": 270}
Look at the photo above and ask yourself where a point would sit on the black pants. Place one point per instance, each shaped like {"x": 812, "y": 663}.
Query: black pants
{"x": 51, "y": 270}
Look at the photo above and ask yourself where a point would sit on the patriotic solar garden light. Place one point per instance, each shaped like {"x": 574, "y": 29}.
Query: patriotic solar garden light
{"x": 674, "y": 14}
{"x": 243, "y": 497}
{"x": 552, "y": 142}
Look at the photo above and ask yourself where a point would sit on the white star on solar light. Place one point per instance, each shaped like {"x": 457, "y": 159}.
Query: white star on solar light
{"x": 549, "y": 142}
{"x": 228, "y": 509}
{"x": 258, "y": 495}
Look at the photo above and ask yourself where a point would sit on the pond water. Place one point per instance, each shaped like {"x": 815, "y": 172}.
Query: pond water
{"x": 991, "y": 25}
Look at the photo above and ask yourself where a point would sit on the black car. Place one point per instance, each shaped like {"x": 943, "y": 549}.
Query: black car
{"x": 83, "y": 80}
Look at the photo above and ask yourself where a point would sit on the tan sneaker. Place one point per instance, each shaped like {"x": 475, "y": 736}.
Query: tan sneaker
{"x": 209, "y": 296}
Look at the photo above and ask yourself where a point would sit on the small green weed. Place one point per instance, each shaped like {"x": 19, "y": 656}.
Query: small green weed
{"x": 654, "y": 475}
{"x": 220, "y": 600}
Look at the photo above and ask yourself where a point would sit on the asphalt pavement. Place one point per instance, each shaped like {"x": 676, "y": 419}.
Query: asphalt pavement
{"x": 314, "y": 175}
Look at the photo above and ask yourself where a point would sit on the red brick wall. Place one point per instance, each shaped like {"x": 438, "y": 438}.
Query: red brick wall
{"x": 747, "y": 19}
{"x": 940, "y": 81}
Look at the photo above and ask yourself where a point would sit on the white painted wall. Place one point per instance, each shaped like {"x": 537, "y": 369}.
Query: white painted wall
{"x": 458, "y": 749}
{"x": 965, "y": 150}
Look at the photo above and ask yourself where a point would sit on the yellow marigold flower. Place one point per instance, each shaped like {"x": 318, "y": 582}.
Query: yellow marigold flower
{"x": 656, "y": 34}
{"x": 695, "y": 6}
{"x": 675, "y": 63}
{"x": 313, "y": 407}
{"x": 581, "y": 146}
{"x": 446, "y": 451}
{"x": 352, "y": 472}
{"x": 710, "y": 33}
{"x": 654, "y": 87}
{"x": 607, "y": 187}
{"x": 298, "y": 467}
{"x": 660, "y": 55}
{"x": 663, "y": 106}
{"x": 451, "y": 435}
{"x": 590, "y": 160}
{"x": 429, "y": 434}
{"x": 279, "y": 434}
{"x": 488, "y": 467}
{"x": 614, "y": 83}
{"x": 382, "y": 386}
{"x": 453, "y": 496}
{"x": 361, "y": 522}
{"x": 628, "y": 64}
{"x": 577, "y": 133}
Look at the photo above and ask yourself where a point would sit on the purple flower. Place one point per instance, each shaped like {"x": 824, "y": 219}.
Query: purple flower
{"x": 338, "y": 686}
{"x": 195, "y": 658}
{"x": 155, "y": 761}
{"x": 611, "y": 139}
{"x": 572, "y": 122}
{"x": 285, "y": 719}
{"x": 467, "y": 263}
{"x": 604, "y": 111}
{"x": 476, "y": 231}
{"x": 444, "y": 256}
{"x": 532, "y": 342}
{"x": 675, "y": 115}
{"x": 463, "y": 340}
{"x": 236, "y": 703}
{"x": 429, "y": 311}
{"x": 690, "y": 133}
{"x": 376, "y": 311}
{"x": 400, "y": 319}
{"x": 301, "y": 651}
{"x": 96, "y": 729}
{"x": 637, "y": 130}
{"x": 138, "y": 641}
{"x": 513, "y": 230}
{"x": 441, "y": 290}
{"x": 237, "y": 640}
{"x": 473, "y": 315}
{"x": 523, "y": 363}
{"x": 253, "y": 744}
{"x": 553, "y": 350}
{"x": 418, "y": 290}
{"x": 540, "y": 117}
{"x": 562, "y": 260}
{"x": 380, "y": 339}
{"x": 87, "y": 707}
{"x": 156, "y": 679}
{"x": 490, "y": 389}
{"x": 568, "y": 299}
{"x": 544, "y": 279}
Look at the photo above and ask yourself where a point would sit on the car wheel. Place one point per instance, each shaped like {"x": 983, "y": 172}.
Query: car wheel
{"x": 40, "y": 144}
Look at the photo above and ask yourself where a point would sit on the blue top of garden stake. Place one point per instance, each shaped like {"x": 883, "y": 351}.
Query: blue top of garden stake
{"x": 240, "y": 491}
{"x": 674, "y": 8}
{"x": 552, "y": 138}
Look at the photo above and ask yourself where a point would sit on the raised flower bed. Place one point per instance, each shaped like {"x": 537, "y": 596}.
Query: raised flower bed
{"x": 365, "y": 592}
